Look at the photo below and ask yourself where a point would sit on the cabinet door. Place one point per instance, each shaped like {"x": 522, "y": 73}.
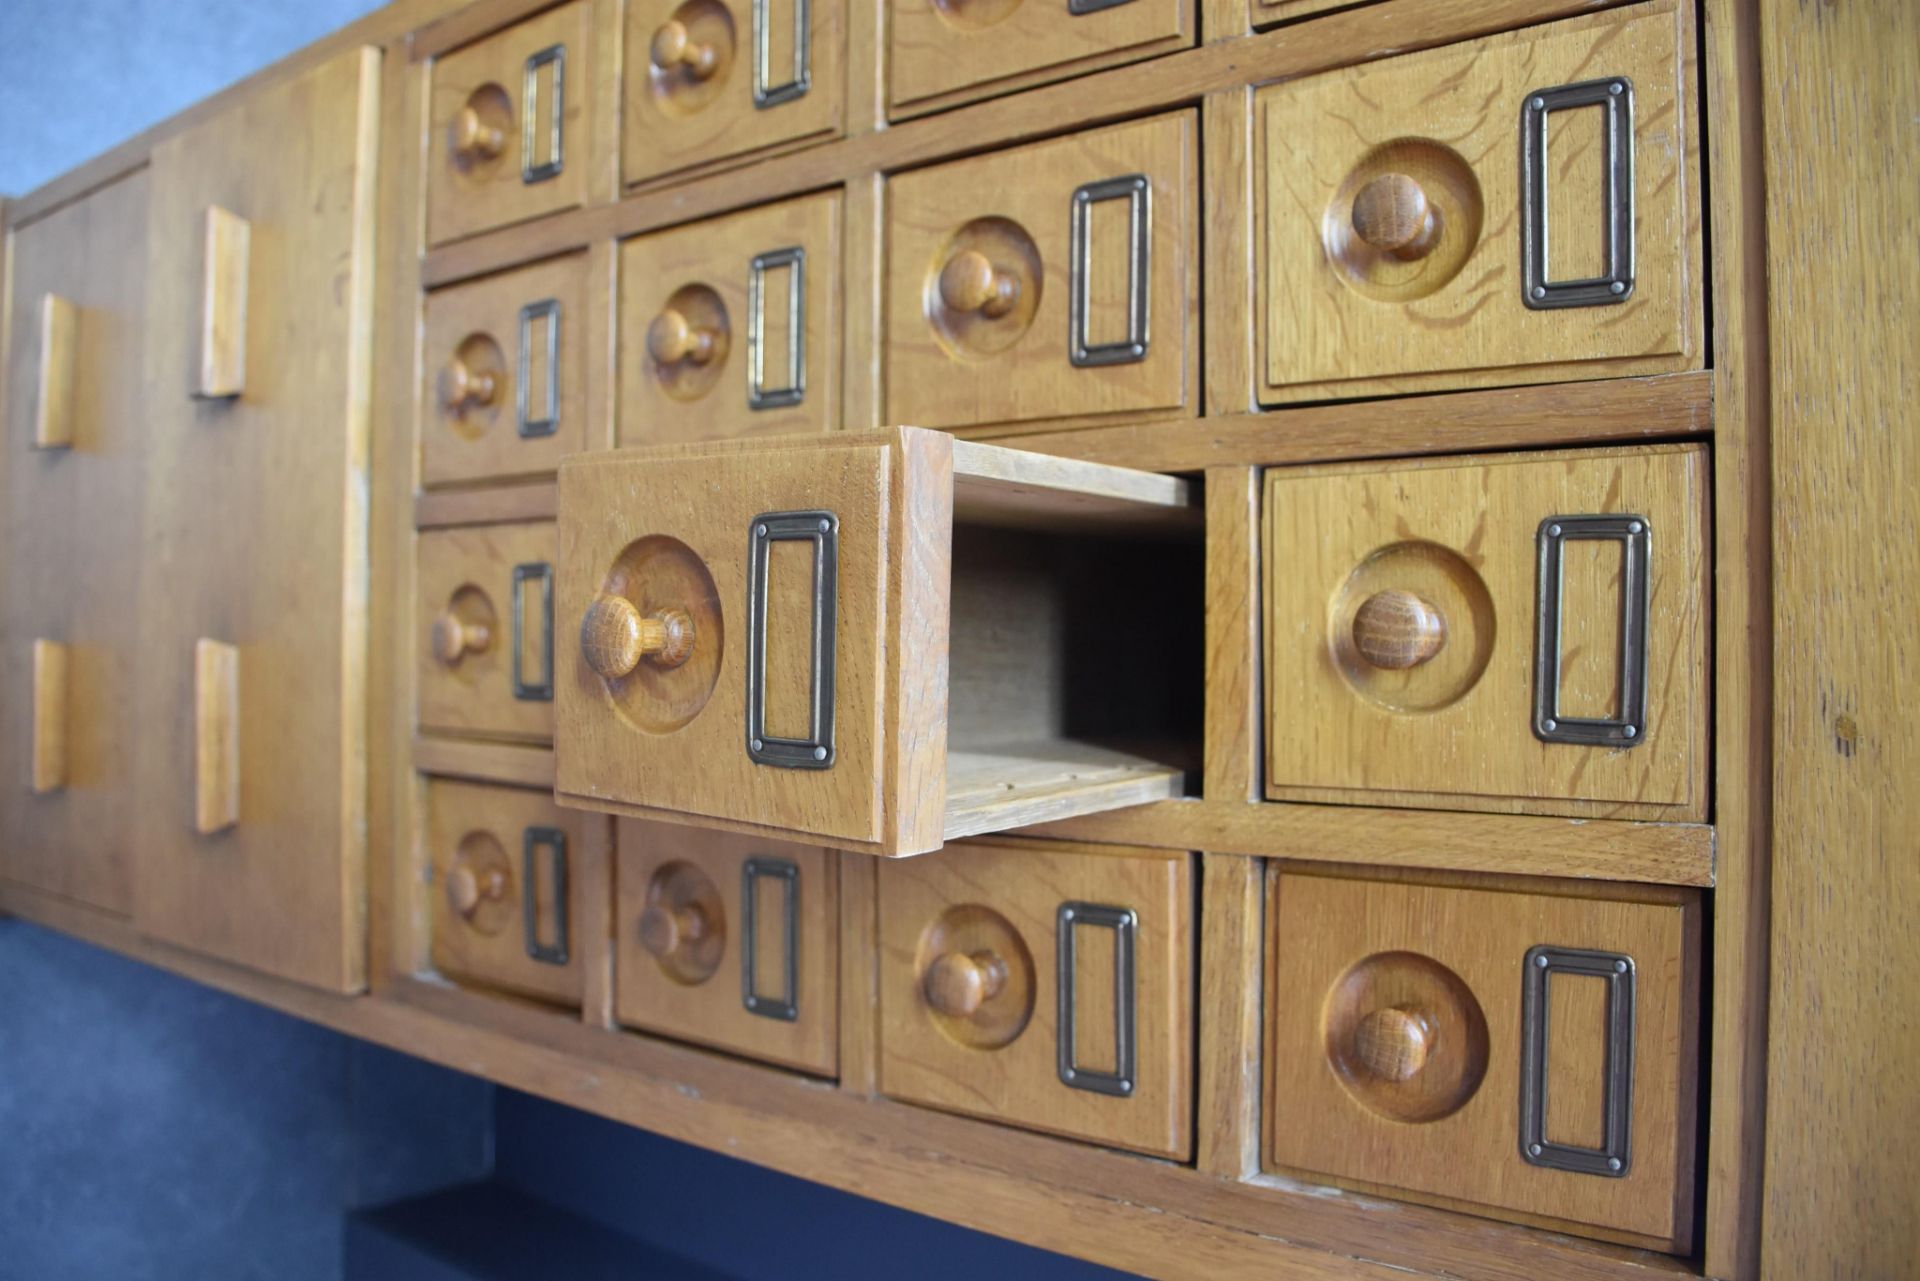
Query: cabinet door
{"x": 71, "y": 514}
{"x": 251, "y": 713}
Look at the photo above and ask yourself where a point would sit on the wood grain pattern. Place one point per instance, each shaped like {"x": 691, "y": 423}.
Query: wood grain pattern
{"x": 53, "y": 406}
{"x": 1343, "y": 319}
{"x": 1842, "y": 1186}
{"x": 226, "y": 251}
{"x": 1322, "y": 930}
{"x": 216, "y": 736}
{"x": 1230, "y": 1013}
{"x": 466, "y": 576}
{"x": 48, "y": 752}
{"x": 538, "y": 500}
{"x": 1026, "y": 883}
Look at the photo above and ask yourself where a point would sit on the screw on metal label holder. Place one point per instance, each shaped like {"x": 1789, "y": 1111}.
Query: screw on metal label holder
{"x": 1615, "y": 1158}
{"x": 540, "y": 691}
{"x": 1614, "y": 95}
{"x": 822, "y": 529}
{"x": 556, "y": 57}
{"x": 547, "y": 421}
{"x": 759, "y": 395}
{"x": 1138, "y": 193}
{"x": 554, "y": 842}
{"x": 800, "y": 79}
{"x": 1630, "y": 728}
{"x": 1123, "y": 923}
{"x": 786, "y": 1006}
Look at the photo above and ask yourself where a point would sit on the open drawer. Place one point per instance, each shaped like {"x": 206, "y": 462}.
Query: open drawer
{"x": 880, "y": 641}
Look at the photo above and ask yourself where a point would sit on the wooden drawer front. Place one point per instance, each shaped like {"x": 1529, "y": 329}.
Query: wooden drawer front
{"x": 486, "y": 632}
{"x": 731, "y": 941}
{"x": 1402, "y": 250}
{"x": 999, "y": 311}
{"x": 1267, "y": 12}
{"x": 70, "y": 494}
{"x": 1421, "y": 650}
{"x": 251, "y": 708}
{"x": 1491, "y": 1049}
{"x": 506, "y": 372}
{"x": 941, "y": 53}
{"x": 1043, "y": 984}
{"x": 510, "y": 136}
{"x": 710, "y": 81}
{"x": 709, "y": 344}
{"x": 507, "y": 878}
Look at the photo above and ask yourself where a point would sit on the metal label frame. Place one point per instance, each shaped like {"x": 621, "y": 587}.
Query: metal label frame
{"x": 764, "y": 94}
{"x": 759, "y": 395}
{"x": 1615, "y": 94}
{"x": 1124, "y": 924}
{"x": 787, "y": 1008}
{"x": 556, "y": 56}
{"x": 547, "y": 424}
{"x": 541, "y": 572}
{"x": 1137, "y": 191}
{"x": 822, "y": 529}
{"x": 1614, "y": 1160}
{"x": 533, "y": 840}
{"x": 1630, "y": 729}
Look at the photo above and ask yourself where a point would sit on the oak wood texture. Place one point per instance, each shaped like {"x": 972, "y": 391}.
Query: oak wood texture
{"x": 1459, "y": 729}
{"x": 688, "y": 103}
{"x": 255, "y": 530}
{"x": 471, "y": 400}
{"x": 672, "y": 526}
{"x": 932, "y": 1058}
{"x": 49, "y": 718}
{"x": 1842, "y": 1191}
{"x": 473, "y": 830}
{"x": 226, "y": 253}
{"x": 53, "y": 405}
{"x": 498, "y": 504}
{"x": 664, "y": 396}
{"x": 1270, "y": 11}
{"x": 216, "y": 736}
{"x": 1327, "y": 933}
{"x": 941, "y": 54}
{"x": 1342, "y": 318}
{"x": 1235, "y": 728}
{"x": 476, "y": 112}
{"x": 1015, "y": 210}
{"x": 653, "y": 995}
{"x": 1229, "y": 1011}
{"x": 466, "y": 582}
{"x": 71, "y": 522}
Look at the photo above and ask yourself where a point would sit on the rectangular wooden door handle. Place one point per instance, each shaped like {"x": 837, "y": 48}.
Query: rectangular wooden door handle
{"x": 49, "y": 716}
{"x": 216, "y": 736}
{"x": 53, "y": 411}
{"x": 223, "y": 306}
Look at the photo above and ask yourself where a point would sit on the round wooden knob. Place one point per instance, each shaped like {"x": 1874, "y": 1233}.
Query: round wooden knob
{"x": 466, "y": 889}
{"x": 615, "y": 636}
{"x": 1393, "y": 1043}
{"x": 474, "y": 138}
{"x": 1392, "y": 214}
{"x": 454, "y": 637}
{"x": 958, "y": 984}
{"x": 461, "y": 385}
{"x": 671, "y": 339}
{"x": 673, "y": 48}
{"x": 970, "y": 282}
{"x": 1395, "y": 630}
{"x": 664, "y": 931}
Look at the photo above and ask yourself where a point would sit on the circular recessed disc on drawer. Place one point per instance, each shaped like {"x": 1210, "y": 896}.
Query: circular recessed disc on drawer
{"x": 480, "y": 869}
{"x": 477, "y": 135}
{"x": 1411, "y": 176}
{"x": 697, "y": 339}
{"x": 982, "y": 288}
{"x": 981, "y": 945}
{"x": 470, "y": 611}
{"x": 691, "y": 939}
{"x": 689, "y": 56}
{"x": 1405, "y": 1036}
{"x": 1420, "y": 583}
{"x": 660, "y": 574}
{"x": 974, "y": 15}
{"x": 474, "y": 385}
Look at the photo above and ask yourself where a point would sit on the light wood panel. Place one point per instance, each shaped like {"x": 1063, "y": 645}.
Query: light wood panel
{"x": 54, "y": 389}
{"x": 1232, "y": 939}
{"x": 226, "y": 251}
{"x": 256, "y": 535}
{"x": 72, "y": 516}
{"x": 1842, "y": 1183}
{"x": 474, "y": 581}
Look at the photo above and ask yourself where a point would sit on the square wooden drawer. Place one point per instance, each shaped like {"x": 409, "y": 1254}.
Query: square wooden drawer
{"x": 874, "y": 641}
{"x": 509, "y": 134}
{"x": 1044, "y": 984}
{"x": 1524, "y": 208}
{"x": 506, "y": 370}
{"x": 1518, "y": 632}
{"x": 1522, "y": 1049}
{"x": 1051, "y": 282}
{"x": 712, "y": 82}
{"x": 485, "y": 628}
{"x": 507, "y": 884}
{"x": 731, "y": 327}
{"x": 732, "y": 941}
{"x": 944, "y": 52}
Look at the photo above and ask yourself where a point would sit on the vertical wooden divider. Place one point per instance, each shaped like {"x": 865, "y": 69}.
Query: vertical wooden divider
{"x": 1232, "y": 913}
{"x": 859, "y": 973}
{"x": 863, "y": 396}
{"x": 1227, "y": 247}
